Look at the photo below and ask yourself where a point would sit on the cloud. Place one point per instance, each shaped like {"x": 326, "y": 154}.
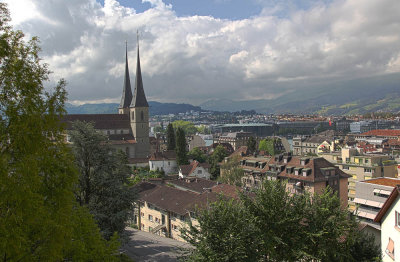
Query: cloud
{"x": 196, "y": 58}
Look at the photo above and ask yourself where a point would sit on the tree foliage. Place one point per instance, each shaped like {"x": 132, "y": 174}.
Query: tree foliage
{"x": 268, "y": 145}
{"x": 231, "y": 172}
{"x": 39, "y": 217}
{"x": 251, "y": 144}
{"x": 171, "y": 143}
{"x": 197, "y": 154}
{"x": 180, "y": 149}
{"x": 217, "y": 156}
{"x": 188, "y": 127}
{"x": 104, "y": 179}
{"x": 273, "y": 225}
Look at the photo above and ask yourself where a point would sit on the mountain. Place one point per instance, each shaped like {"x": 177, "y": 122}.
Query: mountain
{"x": 156, "y": 108}
{"x": 357, "y": 96}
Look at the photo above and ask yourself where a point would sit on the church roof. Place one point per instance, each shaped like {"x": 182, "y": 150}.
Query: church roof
{"x": 139, "y": 99}
{"x": 100, "y": 121}
{"x": 126, "y": 89}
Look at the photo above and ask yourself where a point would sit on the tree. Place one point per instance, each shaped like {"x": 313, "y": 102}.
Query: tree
{"x": 104, "y": 179}
{"x": 251, "y": 144}
{"x": 180, "y": 149}
{"x": 273, "y": 225}
{"x": 232, "y": 172}
{"x": 197, "y": 154}
{"x": 39, "y": 218}
{"x": 217, "y": 156}
{"x": 170, "y": 137}
{"x": 188, "y": 127}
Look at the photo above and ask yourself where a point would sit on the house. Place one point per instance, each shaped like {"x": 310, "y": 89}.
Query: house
{"x": 128, "y": 130}
{"x": 389, "y": 219}
{"x": 195, "y": 169}
{"x": 165, "y": 161}
{"x": 194, "y": 141}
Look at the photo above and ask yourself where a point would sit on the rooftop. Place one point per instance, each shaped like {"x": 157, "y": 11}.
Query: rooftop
{"x": 384, "y": 181}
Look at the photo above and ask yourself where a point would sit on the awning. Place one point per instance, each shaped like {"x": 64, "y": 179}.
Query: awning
{"x": 366, "y": 202}
{"x": 382, "y": 192}
{"x": 366, "y": 215}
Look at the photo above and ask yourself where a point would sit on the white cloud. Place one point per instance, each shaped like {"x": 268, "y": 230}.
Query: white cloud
{"x": 196, "y": 58}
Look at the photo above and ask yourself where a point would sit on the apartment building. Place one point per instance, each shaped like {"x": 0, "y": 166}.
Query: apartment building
{"x": 361, "y": 167}
{"x": 165, "y": 208}
{"x": 315, "y": 144}
{"x": 370, "y": 197}
{"x": 301, "y": 174}
{"x": 235, "y": 139}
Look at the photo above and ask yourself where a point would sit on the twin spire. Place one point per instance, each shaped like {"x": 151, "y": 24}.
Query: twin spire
{"x": 139, "y": 98}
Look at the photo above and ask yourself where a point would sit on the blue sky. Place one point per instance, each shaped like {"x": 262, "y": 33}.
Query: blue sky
{"x": 196, "y": 50}
{"x": 224, "y": 9}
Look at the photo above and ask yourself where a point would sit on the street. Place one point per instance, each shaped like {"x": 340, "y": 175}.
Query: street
{"x": 147, "y": 247}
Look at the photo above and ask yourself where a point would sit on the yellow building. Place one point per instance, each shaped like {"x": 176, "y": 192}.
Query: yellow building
{"x": 164, "y": 209}
{"x": 361, "y": 167}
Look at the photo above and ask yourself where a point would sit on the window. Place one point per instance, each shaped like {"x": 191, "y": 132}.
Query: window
{"x": 174, "y": 227}
{"x": 366, "y": 161}
{"x": 345, "y": 168}
{"x": 133, "y": 115}
{"x": 157, "y": 220}
{"x": 108, "y": 132}
{"x": 122, "y": 131}
{"x": 142, "y": 214}
{"x": 168, "y": 163}
{"x": 397, "y": 219}
{"x": 390, "y": 248}
{"x": 141, "y": 115}
{"x": 199, "y": 171}
{"x": 367, "y": 170}
{"x": 150, "y": 218}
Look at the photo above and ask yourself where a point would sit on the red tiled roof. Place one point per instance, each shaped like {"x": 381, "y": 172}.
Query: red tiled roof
{"x": 227, "y": 190}
{"x": 384, "y": 181}
{"x": 165, "y": 155}
{"x": 382, "y": 132}
{"x": 188, "y": 169}
{"x": 315, "y": 164}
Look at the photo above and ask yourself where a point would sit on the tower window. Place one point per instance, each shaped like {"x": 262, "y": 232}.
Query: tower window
{"x": 142, "y": 115}
{"x": 133, "y": 115}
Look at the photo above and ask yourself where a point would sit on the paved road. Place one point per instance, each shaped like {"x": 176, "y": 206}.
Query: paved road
{"x": 147, "y": 247}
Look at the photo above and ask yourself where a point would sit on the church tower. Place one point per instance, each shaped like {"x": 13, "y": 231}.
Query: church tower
{"x": 139, "y": 114}
{"x": 126, "y": 98}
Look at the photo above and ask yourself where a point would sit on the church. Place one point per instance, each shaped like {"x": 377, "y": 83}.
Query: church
{"x": 129, "y": 129}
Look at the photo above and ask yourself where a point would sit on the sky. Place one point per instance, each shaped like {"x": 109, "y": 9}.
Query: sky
{"x": 193, "y": 51}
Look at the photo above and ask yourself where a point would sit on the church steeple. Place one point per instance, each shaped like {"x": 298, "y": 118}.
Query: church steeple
{"x": 139, "y": 98}
{"x": 126, "y": 89}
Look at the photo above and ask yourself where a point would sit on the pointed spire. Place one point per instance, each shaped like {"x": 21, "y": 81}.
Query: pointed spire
{"x": 139, "y": 99}
{"x": 126, "y": 89}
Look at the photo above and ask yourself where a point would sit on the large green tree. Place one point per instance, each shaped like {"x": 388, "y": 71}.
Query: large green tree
{"x": 104, "y": 178}
{"x": 251, "y": 144}
{"x": 273, "y": 225}
{"x": 188, "y": 127}
{"x": 217, "y": 156}
{"x": 231, "y": 172}
{"x": 197, "y": 154}
{"x": 180, "y": 149}
{"x": 171, "y": 143}
{"x": 39, "y": 217}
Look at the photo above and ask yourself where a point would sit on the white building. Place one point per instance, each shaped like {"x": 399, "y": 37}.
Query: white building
{"x": 195, "y": 169}
{"x": 389, "y": 218}
{"x": 164, "y": 161}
